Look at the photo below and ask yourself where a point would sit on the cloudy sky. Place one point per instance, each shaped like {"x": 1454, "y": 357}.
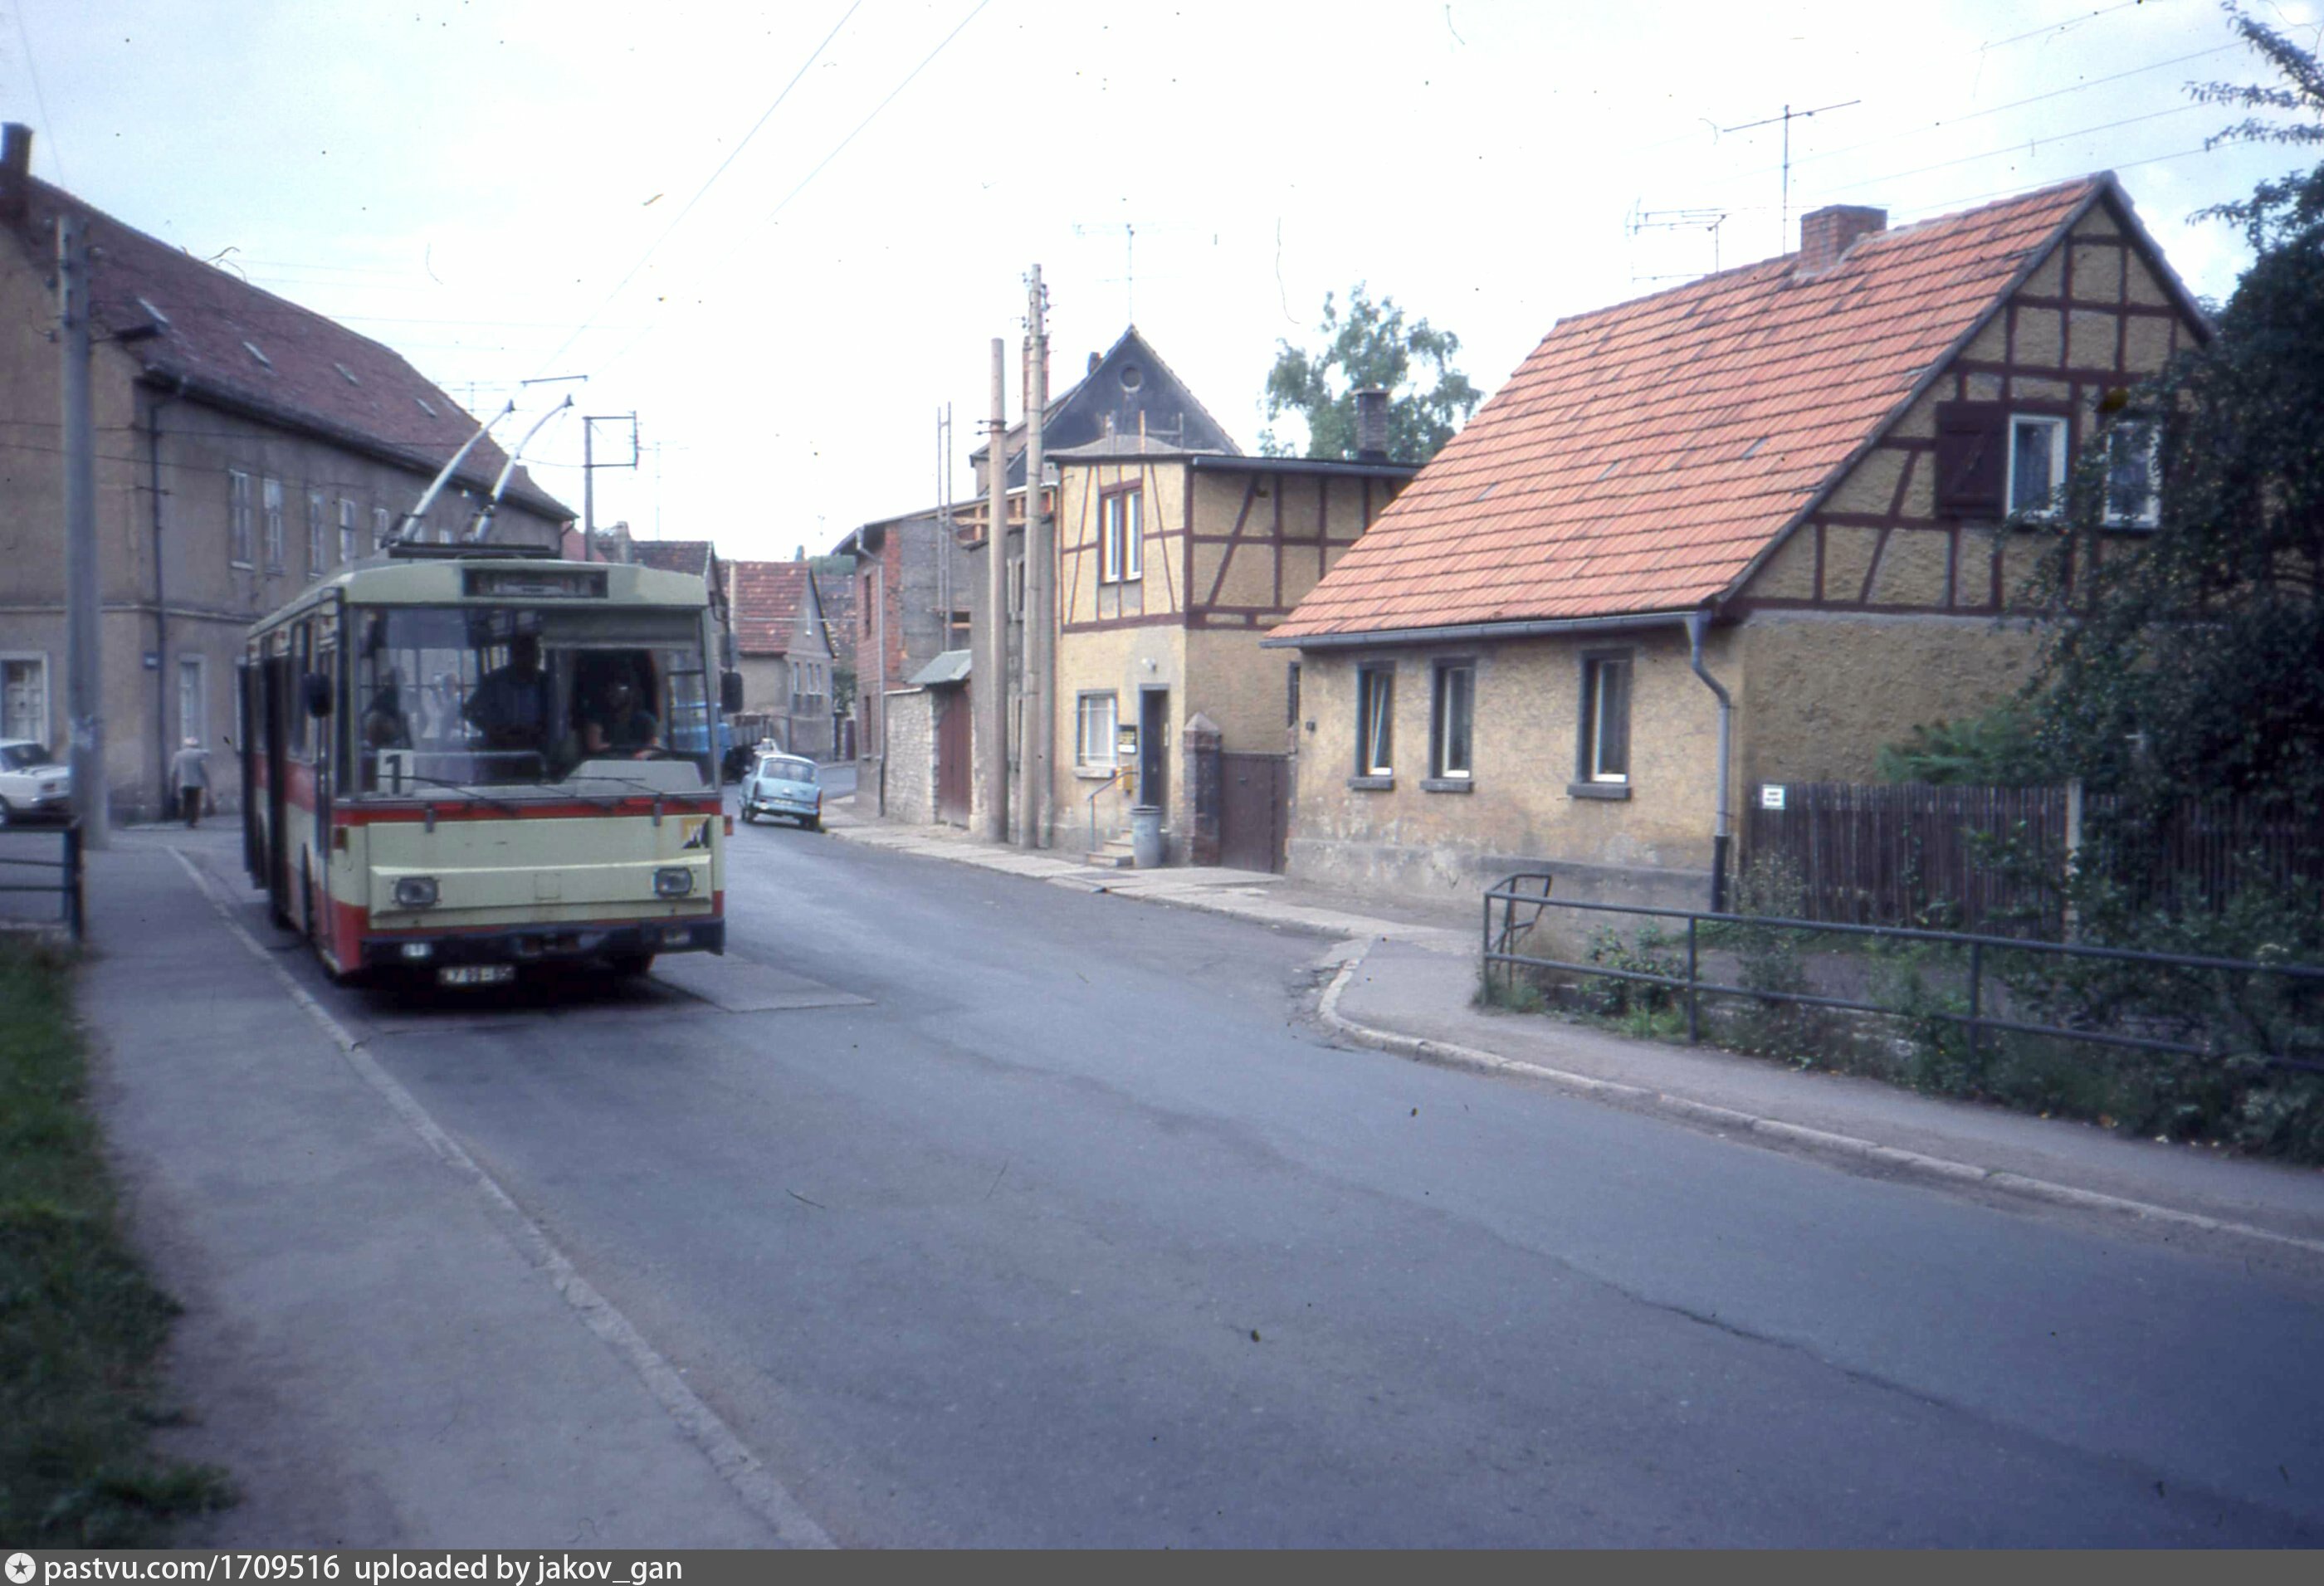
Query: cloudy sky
{"x": 785, "y": 235}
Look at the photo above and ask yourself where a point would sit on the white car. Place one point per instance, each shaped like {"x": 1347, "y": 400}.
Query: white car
{"x": 32, "y": 783}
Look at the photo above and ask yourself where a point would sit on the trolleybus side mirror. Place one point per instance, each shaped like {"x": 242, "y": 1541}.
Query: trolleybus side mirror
{"x": 317, "y": 691}
{"x": 730, "y": 692}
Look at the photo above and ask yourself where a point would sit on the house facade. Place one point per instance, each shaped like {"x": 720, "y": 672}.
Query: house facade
{"x": 1172, "y": 565}
{"x": 247, "y": 447}
{"x": 1725, "y": 538}
{"x": 783, "y": 650}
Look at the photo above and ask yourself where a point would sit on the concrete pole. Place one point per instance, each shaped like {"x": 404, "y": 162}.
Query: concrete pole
{"x": 993, "y": 666}
{"x": 588, "y": 495}
{"x": 1040, "y": 617}
{"x": 84, "y": 683}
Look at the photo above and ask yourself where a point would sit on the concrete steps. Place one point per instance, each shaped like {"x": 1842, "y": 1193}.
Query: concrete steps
{"x": 1115, "y": 855}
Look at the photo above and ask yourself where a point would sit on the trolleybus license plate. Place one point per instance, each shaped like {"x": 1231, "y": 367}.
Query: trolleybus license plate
{"x": 476, "y": 974}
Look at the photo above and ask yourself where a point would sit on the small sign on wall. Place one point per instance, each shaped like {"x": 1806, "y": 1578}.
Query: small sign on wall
{"x": 1771, "y": 795}
{"x": 1125, "y": 740}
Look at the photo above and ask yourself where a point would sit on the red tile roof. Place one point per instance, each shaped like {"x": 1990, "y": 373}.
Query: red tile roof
{"x": 768, "y": 597}
{"x": 674, "y": 556}
{"x": 1645, "y": 454}
{"x": 197, "y": 324}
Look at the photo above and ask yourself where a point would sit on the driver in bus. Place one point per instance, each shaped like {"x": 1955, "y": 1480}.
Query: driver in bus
{"x": 624, "y": 726}
{"x": 384, "y": 725}
{"x": 511, "y": 704}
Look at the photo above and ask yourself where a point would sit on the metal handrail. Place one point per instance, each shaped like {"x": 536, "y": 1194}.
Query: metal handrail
{"x": 1120, "y": 772}
{"x": 1691, "y": 983}
{"x": 70, "y": 887}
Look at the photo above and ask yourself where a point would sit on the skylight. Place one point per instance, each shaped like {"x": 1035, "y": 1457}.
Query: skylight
{"x": 346, "y": 373}
{"x": 1753, "y": 449}
{"x": 251, "y": 349}
{"x": 424, "y": 407}
{"x": 154, "y": 313}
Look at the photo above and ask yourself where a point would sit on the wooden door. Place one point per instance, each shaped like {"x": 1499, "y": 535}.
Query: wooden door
{"x": 1254, "y": 810}
{"x": 955, "y": 749}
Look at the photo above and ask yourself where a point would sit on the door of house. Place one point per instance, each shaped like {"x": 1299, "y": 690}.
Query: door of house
{"x": 955, "y": 747}
{"x": 1254, "y": 810}
{"x": 1153, "y": 747}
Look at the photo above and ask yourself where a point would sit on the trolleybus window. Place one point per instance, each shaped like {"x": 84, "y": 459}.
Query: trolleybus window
{"x": 588, "y": 701}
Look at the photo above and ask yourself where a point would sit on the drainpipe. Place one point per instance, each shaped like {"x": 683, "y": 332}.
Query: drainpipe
{"x": 162, "y": 672}
{"x": 1697, "y": 621}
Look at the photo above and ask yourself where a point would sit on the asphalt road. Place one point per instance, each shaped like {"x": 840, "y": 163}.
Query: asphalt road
{"x": 986, "y": 1213}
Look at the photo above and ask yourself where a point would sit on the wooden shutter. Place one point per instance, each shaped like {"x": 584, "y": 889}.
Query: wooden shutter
{"x": 1973, "y": 458}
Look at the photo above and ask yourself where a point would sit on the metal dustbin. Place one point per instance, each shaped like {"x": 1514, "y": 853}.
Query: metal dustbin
{"x": 1146, "y": 835}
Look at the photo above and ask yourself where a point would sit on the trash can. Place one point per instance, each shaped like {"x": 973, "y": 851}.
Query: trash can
{"x": 1146, "y": 835}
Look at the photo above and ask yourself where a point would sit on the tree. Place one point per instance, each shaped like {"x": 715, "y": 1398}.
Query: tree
{"x": 1370, "y": 347}
{"x": 2191, "y": 661}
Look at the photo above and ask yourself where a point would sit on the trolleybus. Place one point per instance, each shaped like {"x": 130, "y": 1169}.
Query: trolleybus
{"x": 462, "y": 758}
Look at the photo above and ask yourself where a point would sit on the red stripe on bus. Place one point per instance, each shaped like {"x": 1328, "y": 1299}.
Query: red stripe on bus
{"x": 356, "y": 814}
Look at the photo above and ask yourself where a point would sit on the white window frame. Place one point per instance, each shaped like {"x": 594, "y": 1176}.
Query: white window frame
{"x": 2146, "y": 434}
{"x": 379, "y": 528}
{"x": 1094, "y": 749}
{"x": 318, "y": 514}
{"x": 348, "y": 550}
{"x": 197, "y": 724}
{"x": 2057, "y": 434}
{"x": 1596, "y": 672}
{"x": 1376, "y": 721}
{"x": 270, "y": 493}
{"x": 1441, "y": 717}
{"x": 242, "y": 549}
{"x": 39, "y": 659}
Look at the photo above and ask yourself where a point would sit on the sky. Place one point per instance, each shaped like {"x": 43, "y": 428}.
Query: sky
{"x": 785, "y": 236}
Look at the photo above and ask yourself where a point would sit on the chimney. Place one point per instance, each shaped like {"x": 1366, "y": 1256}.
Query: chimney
{"x": 1825, "y": 234}
{"x": 15, "y": 170}
{"x": 1371, "y": 426}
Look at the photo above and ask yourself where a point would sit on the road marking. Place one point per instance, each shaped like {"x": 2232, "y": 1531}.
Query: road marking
{"x": 728, "y": 1455}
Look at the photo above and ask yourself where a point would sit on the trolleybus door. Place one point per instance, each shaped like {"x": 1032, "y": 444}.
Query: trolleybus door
{"x": 277, "y": 733}
{"x": 250, "y": 732}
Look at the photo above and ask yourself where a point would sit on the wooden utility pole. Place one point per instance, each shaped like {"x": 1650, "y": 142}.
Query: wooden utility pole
{"x": 1040, "y": 621}
{"x": 84, "y": 684}
{"x": 991, "y": 667}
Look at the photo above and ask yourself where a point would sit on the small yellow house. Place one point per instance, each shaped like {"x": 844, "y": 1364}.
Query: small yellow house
{"x": 1734, "y": 535}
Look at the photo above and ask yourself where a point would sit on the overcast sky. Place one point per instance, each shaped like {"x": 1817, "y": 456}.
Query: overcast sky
{"x": 785, "y": 235}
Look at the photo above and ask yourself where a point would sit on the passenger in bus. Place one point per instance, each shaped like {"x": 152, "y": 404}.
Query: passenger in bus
{"x": 623, "y": 726}
{"x": 384, "y": 725}
{"x": 511, "y": 704}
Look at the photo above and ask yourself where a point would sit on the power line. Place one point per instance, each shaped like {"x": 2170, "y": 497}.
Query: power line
{"x": 2028, "y": 144}
{"x": 679, "y": 218}
{"x": 47, "y": 125}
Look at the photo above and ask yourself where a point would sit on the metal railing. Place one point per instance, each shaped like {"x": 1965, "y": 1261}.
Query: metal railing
{"x": 68, "y": 886}
{"x": 1513, "y": 897}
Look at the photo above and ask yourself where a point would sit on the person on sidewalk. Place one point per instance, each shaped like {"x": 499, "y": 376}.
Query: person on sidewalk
{"x": 189, "y": 774}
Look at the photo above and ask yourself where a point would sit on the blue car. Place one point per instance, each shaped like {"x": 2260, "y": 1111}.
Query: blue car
{"x": 783, "y": 785}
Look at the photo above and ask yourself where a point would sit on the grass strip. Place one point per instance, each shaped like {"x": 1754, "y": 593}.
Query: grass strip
{"x": 81, "y": 1325}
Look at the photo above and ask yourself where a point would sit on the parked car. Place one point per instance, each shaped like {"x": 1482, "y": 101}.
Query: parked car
{"x": 33, "y": 785}
{"x": 784, "y": 786}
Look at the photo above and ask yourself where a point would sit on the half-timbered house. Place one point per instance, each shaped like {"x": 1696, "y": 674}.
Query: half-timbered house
{"x": 1734, "y": 535}
{"x": 1171, "y": 565}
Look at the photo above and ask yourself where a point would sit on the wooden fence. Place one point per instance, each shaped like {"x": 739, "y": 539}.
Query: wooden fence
{"x": 1990, "y": 859}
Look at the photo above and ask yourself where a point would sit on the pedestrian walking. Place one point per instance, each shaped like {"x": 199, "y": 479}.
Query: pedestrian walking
{"x": 189, "y": 774}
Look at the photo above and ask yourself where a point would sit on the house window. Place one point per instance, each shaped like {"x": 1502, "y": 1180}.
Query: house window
{"x": 271, "y": 495}
{"x": 346, "y": 532}
{"x": 1120, "y": 536}
{"x": 193, "y": 720}
{"x": 1453, "y": 711}
{"x": 378, "y": 528}
{"x": 1605, "y": 719}
{"x": 238, "y": 520}
{"x": 24, "y": 698}
{"x": 316, "y": 514}
{"x": 1291, "y": 694}
{"x": 2133, "y": 474}
{"x": 1375, "y": 721}
{"x": 2037, "y": 463}
{"x": 1094, "y": 749}
{"x": 1016, "y": 587}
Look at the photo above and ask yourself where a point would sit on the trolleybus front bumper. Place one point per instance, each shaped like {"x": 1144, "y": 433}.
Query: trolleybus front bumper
{"x": 545, "y": 945}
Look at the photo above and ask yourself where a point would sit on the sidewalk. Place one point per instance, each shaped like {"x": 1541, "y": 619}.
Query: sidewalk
{"x": 1406, "y": 983}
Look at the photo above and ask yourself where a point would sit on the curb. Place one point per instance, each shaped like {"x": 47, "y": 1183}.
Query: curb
{"x": 1846, "y": 1151}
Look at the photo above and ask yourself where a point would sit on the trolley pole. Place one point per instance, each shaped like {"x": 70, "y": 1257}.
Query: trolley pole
{"x": 84, "y": 686}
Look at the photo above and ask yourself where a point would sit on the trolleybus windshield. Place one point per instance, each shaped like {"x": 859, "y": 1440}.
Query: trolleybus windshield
{"x": 601, "y": 700}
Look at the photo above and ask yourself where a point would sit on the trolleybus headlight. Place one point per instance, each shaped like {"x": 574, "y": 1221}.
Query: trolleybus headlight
{"x": 673, "y": 881}
{"x": 415, "y": 891}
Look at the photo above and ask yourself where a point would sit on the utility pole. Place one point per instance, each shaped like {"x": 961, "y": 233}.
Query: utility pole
{"x": 589, "y": 466}
{"x": 84, "y": 685}
{"x": 1039, "y": 621}
{"x": 991, "y": 670}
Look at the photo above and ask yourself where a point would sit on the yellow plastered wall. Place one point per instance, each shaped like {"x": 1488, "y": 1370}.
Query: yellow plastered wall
{"x": 1160, "y": 588}
{"x": 1122, "y": 661}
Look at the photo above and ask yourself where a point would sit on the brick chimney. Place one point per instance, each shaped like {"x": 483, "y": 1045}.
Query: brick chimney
{"x": 1371, "y": 426}
{"x": 1825, "y": 234}
{"x": 15, "y": 172}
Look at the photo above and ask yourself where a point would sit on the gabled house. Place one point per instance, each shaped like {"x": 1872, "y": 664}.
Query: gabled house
{"x": 247, "y": 447}
{"x": 784, "y": 654}
{"x": 1127, "y": 391}
{"x": 1729, "y": 535}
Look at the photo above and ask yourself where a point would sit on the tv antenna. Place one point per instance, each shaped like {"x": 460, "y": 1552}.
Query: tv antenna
{"x": 1643, "y": 219}
{"x": 1129, "y": 261}
{"x": 1784, "y": 237}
